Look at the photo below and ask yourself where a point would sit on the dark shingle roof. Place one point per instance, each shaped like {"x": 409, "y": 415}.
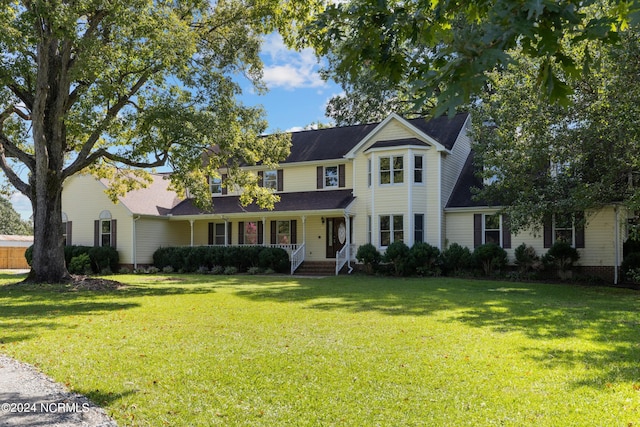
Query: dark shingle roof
{"x": 298, "y": 201}
{"x": 334, "y": 143}
{"x": 462, "y": 196}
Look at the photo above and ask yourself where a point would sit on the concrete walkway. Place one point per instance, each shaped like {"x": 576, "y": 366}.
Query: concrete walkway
{"x": 29, "y": 398}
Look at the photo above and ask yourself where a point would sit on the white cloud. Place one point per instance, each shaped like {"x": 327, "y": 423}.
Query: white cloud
{"x": 288, "y": 69}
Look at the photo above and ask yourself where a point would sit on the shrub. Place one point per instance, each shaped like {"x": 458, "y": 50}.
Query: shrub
{"x": 526, "y": 258}
{"x": 398, "y": 254}
{"x": 80, "y": 264}
{"x": 102, "y": 258}
{"x": 561, "y": 255}
{"x": 630, "y": 246}
{"x": 254, "y": 270}
{"x": 230, "y": 270}
{"x": 633, "y": 275}
{"x": 28, "y": 255}
{"x": 456, "y": 259}
{"x": 425, "y": 259}
{"x": 369, "y": 256}
{"x": 630, "y": 262}
{"x": 167, "y": 269}
{"x": 490, "y": 257}
{"x": 275, "y": 259}
{"x": 217, "y": 269}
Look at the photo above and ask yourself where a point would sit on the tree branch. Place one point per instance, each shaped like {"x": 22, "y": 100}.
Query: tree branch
{"x": 14, "y": 179}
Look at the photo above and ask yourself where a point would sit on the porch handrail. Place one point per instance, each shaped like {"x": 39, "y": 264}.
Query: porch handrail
{"x": 297, "y": 258}
{"x": 342, "y": 256}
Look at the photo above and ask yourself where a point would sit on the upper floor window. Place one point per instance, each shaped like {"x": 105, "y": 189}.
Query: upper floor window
{"x": 330, "y": 176}
{"x": 270, "y": 179}
{"x": 392, "y": 170}
{"x": 418, "y": 169}
{"x": 215, "y": 185}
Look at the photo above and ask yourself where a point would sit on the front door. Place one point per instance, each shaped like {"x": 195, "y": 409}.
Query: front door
{"x": 336, "y": 235}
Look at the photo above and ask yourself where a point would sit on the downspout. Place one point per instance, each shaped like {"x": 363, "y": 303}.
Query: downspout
{"x": 617, "y": 244}
{"x": 348, "y": 223}
{"x": 134, "y": 243}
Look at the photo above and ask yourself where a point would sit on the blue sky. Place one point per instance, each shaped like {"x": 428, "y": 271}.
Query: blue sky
{"x": 297, "y": 95}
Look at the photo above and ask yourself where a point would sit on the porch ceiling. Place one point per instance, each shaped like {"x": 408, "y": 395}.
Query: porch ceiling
{"x": 330, "y": 200}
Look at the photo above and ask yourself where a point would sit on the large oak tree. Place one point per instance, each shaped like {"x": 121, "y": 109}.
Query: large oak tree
{"x": 113, "y": 86}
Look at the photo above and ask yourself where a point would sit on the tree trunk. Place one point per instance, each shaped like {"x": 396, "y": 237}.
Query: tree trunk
{"x": 48, "y": 265}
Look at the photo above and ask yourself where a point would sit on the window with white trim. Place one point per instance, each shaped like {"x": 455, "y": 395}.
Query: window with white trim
{"x": 105, "y": 228}
{"x": 418, "y": 228}
{"x": 218, "y": 233}
{"x": 331, "y": 177}
{"x": 391, "y": 229}
{"x": 418, "y": 169}
{"x": 392, "y": 170}
{"x": 491, "y": 229}
{"x": 369, "y": 172}
{"x": 270, "y": 179}
{"x": 215, "y": 185}
{"x": 250, "y": 233}
{"x": 283, "y": 229}
{"x": 563, "y": 229}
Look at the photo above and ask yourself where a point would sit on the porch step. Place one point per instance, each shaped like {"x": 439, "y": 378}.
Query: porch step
{"x": 316, "y": 268}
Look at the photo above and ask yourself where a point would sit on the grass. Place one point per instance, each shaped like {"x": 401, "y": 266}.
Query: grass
{"x": 343, "y": 351}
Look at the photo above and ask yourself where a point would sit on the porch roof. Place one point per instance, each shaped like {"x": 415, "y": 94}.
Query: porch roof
{"x": 289, "y": 202}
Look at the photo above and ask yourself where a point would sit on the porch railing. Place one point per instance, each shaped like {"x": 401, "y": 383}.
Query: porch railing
{"x": 297, "y": 257}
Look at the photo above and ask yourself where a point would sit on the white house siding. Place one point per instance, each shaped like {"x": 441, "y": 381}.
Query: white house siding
{"x": 83, "y": 199}
{"x": 152, "y": 233}
{"x": 600, "y": 238}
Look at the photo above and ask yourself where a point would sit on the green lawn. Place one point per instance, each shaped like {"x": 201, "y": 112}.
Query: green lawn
{"x": 352, "y": 351}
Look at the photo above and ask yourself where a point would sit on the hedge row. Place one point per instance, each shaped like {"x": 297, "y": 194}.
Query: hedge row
{"x": 189, "y": 259}
{"x": 86, "y": 259}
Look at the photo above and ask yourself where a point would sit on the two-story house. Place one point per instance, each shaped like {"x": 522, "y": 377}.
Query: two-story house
{"x": 339, "y": 188}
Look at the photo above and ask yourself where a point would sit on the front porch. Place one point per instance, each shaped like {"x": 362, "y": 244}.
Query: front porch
{"x": 311, "y": 238}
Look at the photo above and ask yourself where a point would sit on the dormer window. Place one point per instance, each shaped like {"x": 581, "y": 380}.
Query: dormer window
{"x": 215, "y": 185}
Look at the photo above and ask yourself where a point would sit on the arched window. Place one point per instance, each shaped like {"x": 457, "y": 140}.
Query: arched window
{"x": 105, "y": 230}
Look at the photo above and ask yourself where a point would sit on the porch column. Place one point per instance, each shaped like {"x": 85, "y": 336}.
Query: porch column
{"x": 304, "y": 229}
{"x": 191, "y": 224}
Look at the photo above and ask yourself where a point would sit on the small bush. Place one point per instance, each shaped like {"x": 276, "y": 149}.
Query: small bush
{"x": 103, "y": 257}
{"x": 425, "y": 259}
{"x": 254, "y": 270}
{"x": 490, "y": 257}
{"x": 202, "y": 270}
{"x": 456, "y": 259}
{"x": 124, "y": 270}
{"x": 276, "y": 259}
{"x": 217, "y": 269}
{"x": 80, "y": 264}
{"x": 28, "y": 255}
{"x": 167, "y": 269}
{"x": 562, "y": 256}
{"x": 630, "y": 262}
{"x": 527, "y": 259}
{"x": 369, "y": 256}
{"x": 397, "y": 253}
{"x": 633, "y": 275}
{"x": 230, "y": 270}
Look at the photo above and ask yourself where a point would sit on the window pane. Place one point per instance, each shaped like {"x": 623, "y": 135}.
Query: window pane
{"x": 385, "y": 238}
{"x": 270, "y": 180}
{"x": 398, "y": 222}
{"x": 564, "y": 221}
{"x": 398, "y": 163}
{"x": 564, "y": 236}
{"x": 106, "y": 226}
{"x": 215, "y": 185}
{"x": 492, "y": 237}
{"x": 385, "y": 222}
{"x": 398, "y": 177}
{"x": 492, "y": 222}
{"x": 398, "y": 236}
{"x": 385, "y": 164}
{"x": 106, "y": 240}
{"x": 331, "y": 176}
{"x": 418, "y": 162}
{"x": 284, "y": 232}
{"x": 385, "y": 177}
{"x": 250, "y": 233}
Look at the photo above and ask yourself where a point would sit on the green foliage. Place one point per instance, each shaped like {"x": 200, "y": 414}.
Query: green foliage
{"x": 527, "y": 259}
{"x": 490, "y": 257}
{"x": 425, "y": 259}
{"x": 456, "y": 259}
{"x": 397, "y": 253}
{"x": 562, "y": 256}
{"x": 213, "y": 258}
{"x": 369, "y": 255}
{"x": 80, "y": 264}
{"x": 445, "y": 49}
{"x": 275, "y": 259}
{"x": 103, "y": 259}
{"x": 10, "y": 221}
{"x": 630, "y": 263}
